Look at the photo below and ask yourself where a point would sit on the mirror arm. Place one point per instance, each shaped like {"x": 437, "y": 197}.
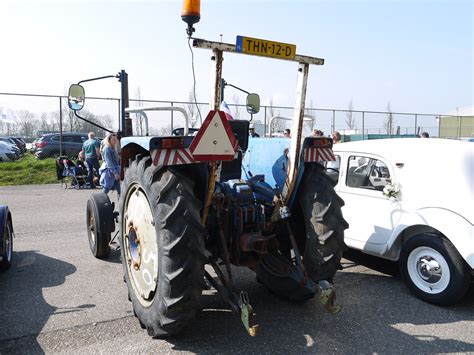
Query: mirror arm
{"x": 98, "y": 78}
{"x": 92, "y": 123}
{"x": 235, "y": 87}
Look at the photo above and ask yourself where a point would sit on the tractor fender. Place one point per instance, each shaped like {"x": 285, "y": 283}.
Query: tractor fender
{"x": 280, "y": 171}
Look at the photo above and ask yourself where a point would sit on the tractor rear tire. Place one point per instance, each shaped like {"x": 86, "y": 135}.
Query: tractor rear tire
{"x": 162, "y": 246}
{"x": 318, "y": 226}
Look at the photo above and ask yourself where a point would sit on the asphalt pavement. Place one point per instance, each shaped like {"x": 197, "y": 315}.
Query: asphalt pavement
{"x": 57, "y": 298}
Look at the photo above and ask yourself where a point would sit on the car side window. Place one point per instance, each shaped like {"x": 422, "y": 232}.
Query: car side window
{"x": 333, "y": 168}
{"x": 77, "y": 139}
{"x": 55, "y": 138}
{"x": 367, "y": 173}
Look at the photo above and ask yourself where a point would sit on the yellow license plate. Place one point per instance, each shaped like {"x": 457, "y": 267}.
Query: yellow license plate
{"x": 265, "y": 48}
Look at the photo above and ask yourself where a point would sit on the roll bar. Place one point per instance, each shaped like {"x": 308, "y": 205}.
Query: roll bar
{"x": 141, "y": 110}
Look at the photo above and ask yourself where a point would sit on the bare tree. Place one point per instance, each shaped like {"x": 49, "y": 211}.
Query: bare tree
{"x": 390, "y": 122}
{"x": 139, "y": 118}
{"x": 163, "y": 131}
{"x": 350, "y": 117}
{"x": 191, "y": 110}
{"x": 278, "y": 125}
{"x": 47, "y": 122}
{"x": 26, "y": 123}
{"x": 236, "y": 102}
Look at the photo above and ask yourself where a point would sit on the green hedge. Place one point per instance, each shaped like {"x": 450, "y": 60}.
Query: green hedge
{"x": 28, "y": 170}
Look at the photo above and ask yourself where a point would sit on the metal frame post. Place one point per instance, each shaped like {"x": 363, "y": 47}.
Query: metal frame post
{"x": 60, "y": 127}
{"x": 265, "y": 121}
{"x": 416, "y": 121}
{"x": 172, "y": 118}
{"x": 363, "y": 125}
{"x": 459, "y": 127}
{"x": 333, "y": 128}
{"x": 214, "y": 103}
{"x": 439, "y": 126}
{"x": 296, "y": 130}
{"x": 215, "y": 99}
{"x": 126, "y": 127}
{"x": 119, "y": 114}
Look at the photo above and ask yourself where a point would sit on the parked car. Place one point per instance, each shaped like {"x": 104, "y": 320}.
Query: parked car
{"x": 12, "y": 143}
{"x": 48, "y": 145}
{"x": 20, "y": 143}
{"x": 7, "y": 152}
{"x": 411, "y": 200}
{"x": 33, "y": 145}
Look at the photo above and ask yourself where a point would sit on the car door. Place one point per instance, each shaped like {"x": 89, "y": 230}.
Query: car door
{"x": 370, "y": 214}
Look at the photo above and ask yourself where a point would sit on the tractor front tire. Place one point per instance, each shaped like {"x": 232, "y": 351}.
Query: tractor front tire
{"x": 318, "y": 226}
{"x": 100, "y": 224}
{"x": 162, "y": 246}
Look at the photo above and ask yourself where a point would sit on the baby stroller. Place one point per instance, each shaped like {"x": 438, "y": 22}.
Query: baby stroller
{"x": 66, "y": 171}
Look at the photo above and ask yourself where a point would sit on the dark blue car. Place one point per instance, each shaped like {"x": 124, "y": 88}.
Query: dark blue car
{"x": 49, "y": 145}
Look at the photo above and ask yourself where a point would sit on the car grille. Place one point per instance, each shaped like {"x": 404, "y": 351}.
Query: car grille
{"x": 11, "y": 156}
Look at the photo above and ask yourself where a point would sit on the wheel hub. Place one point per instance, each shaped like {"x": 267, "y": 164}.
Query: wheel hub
{"x": 92, "y": 227}
{"x": 134, "y": 248}
{"x": 141, "y": 248}
{"x": 429, "y": 269}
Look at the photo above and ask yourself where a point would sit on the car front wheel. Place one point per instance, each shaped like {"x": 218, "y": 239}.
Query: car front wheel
{"x": 433, "y": 269}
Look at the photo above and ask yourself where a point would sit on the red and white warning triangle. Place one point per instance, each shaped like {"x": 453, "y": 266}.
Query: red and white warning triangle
{"x": 215, "y": 140}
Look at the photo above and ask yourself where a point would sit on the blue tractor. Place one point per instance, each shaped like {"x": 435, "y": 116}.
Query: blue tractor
{"x": 194, "y": 205}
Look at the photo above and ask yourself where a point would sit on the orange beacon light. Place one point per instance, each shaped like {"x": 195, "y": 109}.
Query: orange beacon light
{"x": 191, "y": 14}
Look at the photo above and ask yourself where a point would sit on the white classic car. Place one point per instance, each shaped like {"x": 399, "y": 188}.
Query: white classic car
{"x": 412, "y": 200}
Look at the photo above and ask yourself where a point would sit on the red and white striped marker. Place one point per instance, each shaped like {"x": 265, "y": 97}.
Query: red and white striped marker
{"x": 165, "y": 157}
{"x": 314, "y": 155}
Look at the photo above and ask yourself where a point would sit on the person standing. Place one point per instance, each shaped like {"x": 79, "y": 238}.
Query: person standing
{"x": 336, "y": 137}
{"x": 110, "y": 169}
{"x": 90, "y": 149}
{"x": 252, "y": 132}
{"x": 317, "y": 133}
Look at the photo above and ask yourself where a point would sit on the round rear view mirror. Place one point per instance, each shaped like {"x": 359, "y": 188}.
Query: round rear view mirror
{"x": 253, "y": 103}
{"x": 76, "y": 97}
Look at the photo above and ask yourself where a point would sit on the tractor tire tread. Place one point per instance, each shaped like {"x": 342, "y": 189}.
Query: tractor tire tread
{"x": 175, "y": 210}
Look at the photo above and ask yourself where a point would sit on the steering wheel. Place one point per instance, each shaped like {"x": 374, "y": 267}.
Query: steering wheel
{"x": 180, "y": 131}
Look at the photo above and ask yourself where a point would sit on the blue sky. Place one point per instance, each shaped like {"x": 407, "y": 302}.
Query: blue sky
{"x": 416, "y": 54}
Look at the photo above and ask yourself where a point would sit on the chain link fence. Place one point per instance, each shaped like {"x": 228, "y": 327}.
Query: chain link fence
{"x": 31, "y": 116}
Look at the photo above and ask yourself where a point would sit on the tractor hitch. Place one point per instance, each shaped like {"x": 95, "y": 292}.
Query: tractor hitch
{"x": 247, "y": 315}
{"x": 239, "y": 304}
{"x": 327, "y": 297}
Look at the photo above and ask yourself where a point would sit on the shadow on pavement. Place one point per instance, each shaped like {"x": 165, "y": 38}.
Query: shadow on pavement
{"x": 372, "y": 262}
{"x": 24, "y": 313}
{"x": 360, "y": 327}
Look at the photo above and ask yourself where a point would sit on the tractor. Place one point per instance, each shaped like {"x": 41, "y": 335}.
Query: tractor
{"x": 187, "y": 216}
